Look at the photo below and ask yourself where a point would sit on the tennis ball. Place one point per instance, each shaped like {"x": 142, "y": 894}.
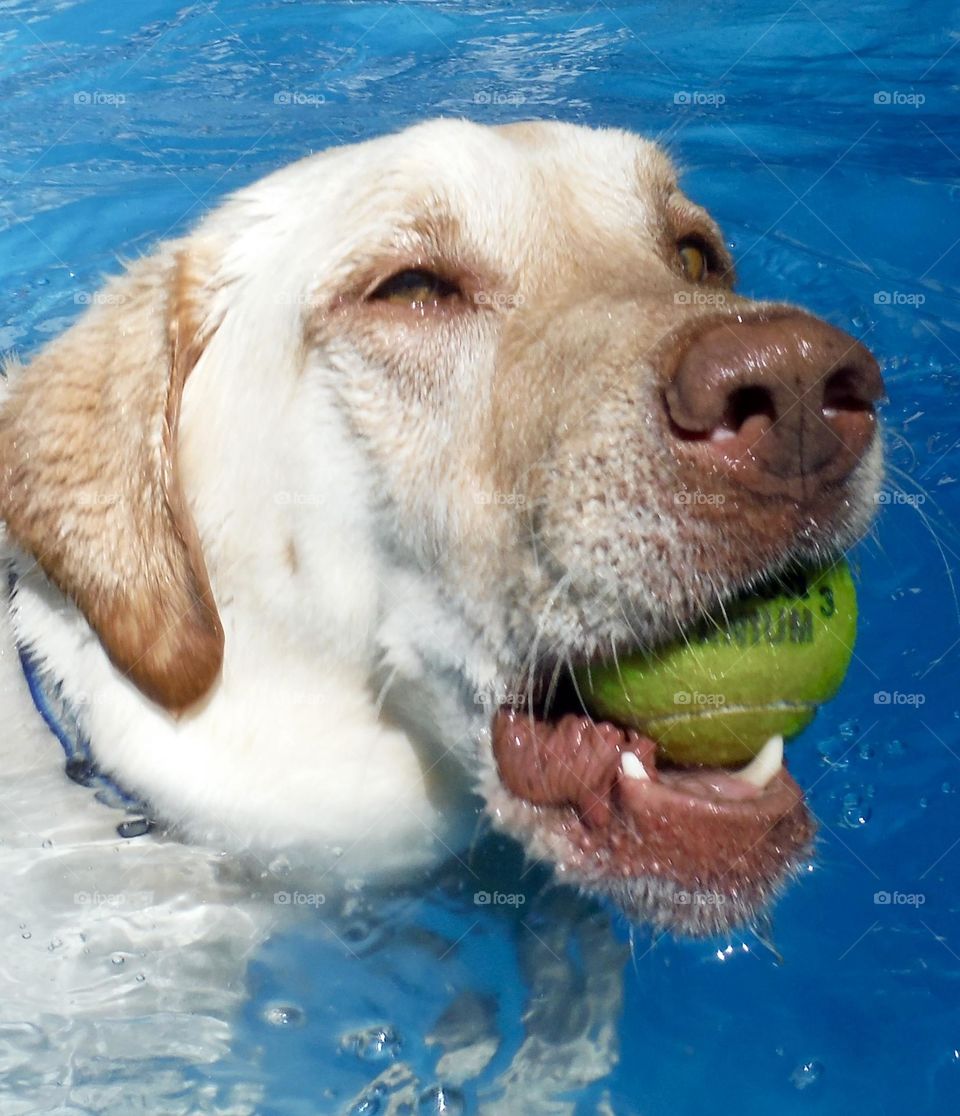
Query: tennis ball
{"x": 758, "y": 671}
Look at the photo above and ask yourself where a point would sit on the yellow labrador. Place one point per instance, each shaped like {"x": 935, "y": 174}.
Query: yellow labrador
{"x": 309, "y": 513}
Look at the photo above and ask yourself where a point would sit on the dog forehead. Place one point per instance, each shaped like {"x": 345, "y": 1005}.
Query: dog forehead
{"x": 539, "y": 162}
{"x": 517, "y": 195}
{"x": 511, "y": 185}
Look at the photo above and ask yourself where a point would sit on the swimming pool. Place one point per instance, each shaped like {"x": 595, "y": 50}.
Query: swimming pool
{"x": 825, "y": 141}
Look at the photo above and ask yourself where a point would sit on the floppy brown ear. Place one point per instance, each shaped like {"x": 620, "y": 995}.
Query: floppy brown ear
{"x": 89, "y": 484}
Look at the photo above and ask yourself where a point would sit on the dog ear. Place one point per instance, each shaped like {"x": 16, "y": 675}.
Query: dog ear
{"x": 89, "y": 484}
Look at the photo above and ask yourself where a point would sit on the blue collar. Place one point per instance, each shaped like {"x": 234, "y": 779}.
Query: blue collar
{"x": 80, "y": 766}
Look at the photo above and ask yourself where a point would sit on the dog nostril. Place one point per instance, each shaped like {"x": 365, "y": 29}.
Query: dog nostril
{"x": 746, "y": 403}
{"x": 843, "y": 391}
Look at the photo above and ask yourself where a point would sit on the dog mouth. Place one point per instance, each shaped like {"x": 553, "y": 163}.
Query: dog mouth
{"x": 695, "y": 849}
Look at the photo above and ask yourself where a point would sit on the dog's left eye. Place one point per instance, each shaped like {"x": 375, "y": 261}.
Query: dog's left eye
{"x": 414, "y": 286}
{"x": 694, "y": 260}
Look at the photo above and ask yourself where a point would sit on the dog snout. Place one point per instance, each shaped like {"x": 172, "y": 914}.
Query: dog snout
{"x": 785, "y": 404}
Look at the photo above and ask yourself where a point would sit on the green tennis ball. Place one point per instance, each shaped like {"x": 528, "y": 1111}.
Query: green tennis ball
{"x": 760, "y": 670}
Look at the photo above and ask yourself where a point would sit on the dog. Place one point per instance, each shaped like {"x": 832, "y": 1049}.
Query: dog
{"x": 312, "y": 506}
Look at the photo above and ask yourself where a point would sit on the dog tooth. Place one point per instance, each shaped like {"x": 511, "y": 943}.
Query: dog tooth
{"x": 631, "y": 766}
{"x": 764, "y": 765}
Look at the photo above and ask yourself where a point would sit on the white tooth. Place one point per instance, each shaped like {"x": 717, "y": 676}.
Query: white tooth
{"x": 631, "y": 766}
{"x": 764, "y": 765}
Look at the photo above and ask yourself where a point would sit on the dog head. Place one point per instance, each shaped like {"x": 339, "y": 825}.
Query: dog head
{"x": 505, "y": 357}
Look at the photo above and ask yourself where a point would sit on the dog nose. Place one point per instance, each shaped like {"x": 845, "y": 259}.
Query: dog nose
{"x": 785, "y": 403}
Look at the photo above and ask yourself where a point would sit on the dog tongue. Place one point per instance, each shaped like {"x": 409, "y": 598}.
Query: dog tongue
{"x": 574, "y": 762}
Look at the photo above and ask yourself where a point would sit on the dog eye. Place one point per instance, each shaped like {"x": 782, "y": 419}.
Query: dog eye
{"x": 414, "y": 286}
{"x": 694, "y": 259}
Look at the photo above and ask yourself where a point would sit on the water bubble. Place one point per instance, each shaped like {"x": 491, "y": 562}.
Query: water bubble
{"x": 373, "y": 1044}
{"x": 849, "y": 730}
{"x": 854, "y": 812}
{"x": 117, "y": 958}
{"x": 805, "y": 1075}
{"x": 439, "y": 1099}
{"x": 284, "y": 1015}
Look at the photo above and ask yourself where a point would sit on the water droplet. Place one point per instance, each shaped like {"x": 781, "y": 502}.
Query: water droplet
{"x": 948, "y": 788}
{"x": 141, "y": 977}
{"x": 279, "y": 866}
{"x": 806, "y": 1075}
{"x": 370, "y": 1103}
{"x": 439, "y": 1099}
{"x": 866, "y": 750}
{"x": 47, "y": 844}
{"x": 374, "y": 1044}
{"x": 134, "y": 827}
{"x": 117, "y": 958}
{"x": 26, "y": 935}
{"x": 284, "y": 1015}
{"x": 895, "y": 748}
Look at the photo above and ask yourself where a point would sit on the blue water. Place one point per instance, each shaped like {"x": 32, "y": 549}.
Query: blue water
{"x": 824, "y": 137}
